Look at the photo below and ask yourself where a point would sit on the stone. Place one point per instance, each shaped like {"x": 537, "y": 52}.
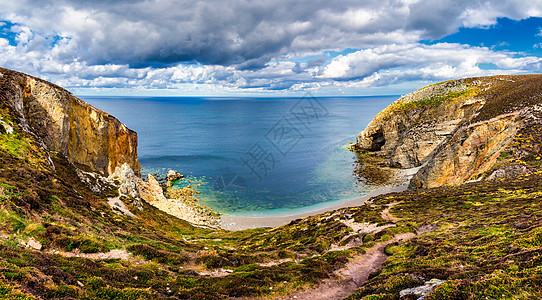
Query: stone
{"x": 119, "y": 207}
{"x": 151, "y": 191}
{"x": 95, "y": 182}
{"x": 173, "y": 175}
{"x": 508, "y": 171}
{"x": 127, "y": 186}
{"x": 32, "y": 243}
{"x": 127, "y": 179}
{"x": 422, "y": 291}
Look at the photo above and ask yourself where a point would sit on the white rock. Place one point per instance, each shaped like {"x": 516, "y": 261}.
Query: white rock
{"x": 128, "y": 185}
{"x": 422, "y": 291}
{"x": 119, "y": 208}
{"x": 32, "y": 243}
{"x": 173, "y": 175}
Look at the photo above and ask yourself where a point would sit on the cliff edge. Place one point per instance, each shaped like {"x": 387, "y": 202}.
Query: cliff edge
{"x": 88, "y": 137}
{"x": 461, "y": 130}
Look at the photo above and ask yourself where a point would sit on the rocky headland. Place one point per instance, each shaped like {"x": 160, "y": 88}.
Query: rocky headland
{"x": 456, "y": 130}
{"x": 103, "y": 151}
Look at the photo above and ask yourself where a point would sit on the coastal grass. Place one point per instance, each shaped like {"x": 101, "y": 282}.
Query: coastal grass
{"x": 63, "y": 215}
{"x": 485, "y": 242}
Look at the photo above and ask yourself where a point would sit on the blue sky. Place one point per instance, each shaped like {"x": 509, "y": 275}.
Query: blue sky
{"x": 506, "y": 34}
{"x": 267, "y": 48}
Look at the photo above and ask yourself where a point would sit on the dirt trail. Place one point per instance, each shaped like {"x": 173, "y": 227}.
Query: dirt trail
{"x": 386, "y": 215}
{"x": 354, "y": 274}
{"x": 113, "y": 254}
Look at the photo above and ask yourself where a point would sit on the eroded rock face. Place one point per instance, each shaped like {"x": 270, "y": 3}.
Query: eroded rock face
{"x": 472, "y": 149}
{"x": 88, "y": 137}
{"x": 151, "y": 191}
{"x": 454, "y": 130}
{"x": 126, "y": 179}
{"x": 408, "y": 131}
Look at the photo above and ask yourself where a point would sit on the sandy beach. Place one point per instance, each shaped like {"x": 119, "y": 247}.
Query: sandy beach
{"x": 240, "y": 222}
{"x": 283, "y": 217}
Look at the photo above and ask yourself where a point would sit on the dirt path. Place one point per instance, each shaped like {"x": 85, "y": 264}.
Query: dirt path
{"x": 354, "y": 274}
{"x": 117, "y": 253}
{"x": 386, "y": 215}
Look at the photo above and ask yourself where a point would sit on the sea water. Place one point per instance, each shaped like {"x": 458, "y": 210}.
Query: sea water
{"x": 251, "y": 154}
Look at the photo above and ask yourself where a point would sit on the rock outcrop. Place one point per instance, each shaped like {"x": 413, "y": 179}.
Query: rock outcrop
{"x": 88, "y": 137}
{"x": 457, "y": 129}
{"x": 182, "y": 205}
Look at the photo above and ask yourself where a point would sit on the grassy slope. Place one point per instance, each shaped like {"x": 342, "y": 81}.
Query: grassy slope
{"x": 53, "y": 207}
{"x": 487, "y": 240}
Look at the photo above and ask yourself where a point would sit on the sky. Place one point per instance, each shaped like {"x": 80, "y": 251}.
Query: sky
{"x": 267, "y": 48}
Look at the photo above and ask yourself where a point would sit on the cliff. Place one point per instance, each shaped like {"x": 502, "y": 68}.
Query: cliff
{"x": 88, "y": 137}
{"x": 456, "y": 131}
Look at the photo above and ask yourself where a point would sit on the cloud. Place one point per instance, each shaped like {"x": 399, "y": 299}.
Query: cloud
{"x": 244, "y": 33}
{"x": 424, "y": 62}
{"x": 255, "y": 45}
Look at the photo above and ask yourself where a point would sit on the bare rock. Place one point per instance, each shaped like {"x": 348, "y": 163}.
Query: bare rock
{"x": 422, "y": 291}
{"x": 173, "y": 175}
{"x": 471, "y": 150}
{"x": 62, "y": 122}
{"x": 127, "y": 180}
{"x": 32, "y": 243}
{"x": 409, "y": 131}
{"x": 119, "y": 207}
{"x": 95, "y": 182}
{"x": 508, "y": 171}
{"x": 455, "y": 130}
{"x": 151, "y": 191}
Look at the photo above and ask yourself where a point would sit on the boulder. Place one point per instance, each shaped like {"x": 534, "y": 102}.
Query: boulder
{"x": 173, "y": 175}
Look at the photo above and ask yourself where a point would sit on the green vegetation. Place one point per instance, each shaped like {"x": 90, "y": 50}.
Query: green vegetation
{"x": 432, "y": 97}
{"x": 486, "y": 241}
{"x": 483, "y": 239}
{"x": 446, "y": 96}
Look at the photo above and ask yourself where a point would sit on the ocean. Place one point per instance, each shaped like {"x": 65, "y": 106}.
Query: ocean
{"x": 252, "y": 155}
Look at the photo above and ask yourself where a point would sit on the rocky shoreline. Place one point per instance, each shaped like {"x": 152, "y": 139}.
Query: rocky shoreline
{"x": 179, "y": 202}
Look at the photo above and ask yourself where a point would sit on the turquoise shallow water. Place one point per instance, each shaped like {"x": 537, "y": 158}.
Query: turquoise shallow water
{"x": 251, "y": 154}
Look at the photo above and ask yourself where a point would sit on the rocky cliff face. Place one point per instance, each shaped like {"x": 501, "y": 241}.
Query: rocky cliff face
{"x": 457, "y": 129}
{"x": 89, "y": 138}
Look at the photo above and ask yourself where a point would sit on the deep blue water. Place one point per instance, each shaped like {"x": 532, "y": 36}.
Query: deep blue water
{"x": 251, "y": 154}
